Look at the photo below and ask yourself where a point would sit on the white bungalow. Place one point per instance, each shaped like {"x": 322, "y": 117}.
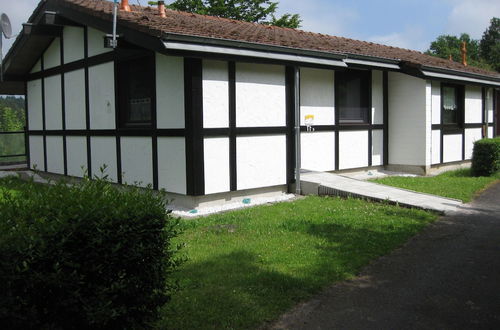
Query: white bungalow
{"x": 207, "y": 108}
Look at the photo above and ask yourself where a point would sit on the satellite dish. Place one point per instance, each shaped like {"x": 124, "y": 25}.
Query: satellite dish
{"x": 6, "y": 26}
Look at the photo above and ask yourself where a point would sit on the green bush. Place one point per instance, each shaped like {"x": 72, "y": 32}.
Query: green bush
{"x": 87, "y": 255}
{"x": 486, "y": 157}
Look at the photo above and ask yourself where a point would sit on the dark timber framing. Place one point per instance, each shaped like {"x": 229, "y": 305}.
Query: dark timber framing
{"x": 233, "y": 172}
{"x": 43, "y": 116}
{"x": 63, "y": 108}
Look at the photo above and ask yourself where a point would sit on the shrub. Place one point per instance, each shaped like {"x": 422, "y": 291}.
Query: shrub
{"x": 87, "y": 255}
{"x": 486, "y": 157}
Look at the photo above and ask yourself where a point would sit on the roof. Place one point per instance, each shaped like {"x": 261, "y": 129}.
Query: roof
{"x": 209, "y": 29}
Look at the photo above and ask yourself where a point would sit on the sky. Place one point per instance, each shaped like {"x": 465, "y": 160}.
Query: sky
{"x": 411, "y": 24}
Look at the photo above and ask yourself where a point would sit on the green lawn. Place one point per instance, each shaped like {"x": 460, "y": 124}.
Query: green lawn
{"x": 249, "y": 266}
{"x": 457, "y": 184}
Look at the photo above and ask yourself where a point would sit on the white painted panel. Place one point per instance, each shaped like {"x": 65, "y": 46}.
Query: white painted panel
{"x": 35, "y": 114}
{"x": 76, "y": 154}
{"x": 216, "y": 153}
{"x": 317, "y": 95}
{"x": 74, "y": 95}
{"x": 52, "y": 56}
{"x": 55, "y": 155}
{"x": 53, "y": 102}
{"x": 317, "y": 151}
{"x": 436, "y": 147}
{"x": 471, "y": 135}
{"x": 490, "y": 132}
{"x": 261, "y": 161}
{"x": 489, "y": 105}
{"x": 436, "y": 102}
{"x": 260, "y": 95}
{"x": 36, "y": 152}
{"x": 170, "y": 91}
{"x": 473, "y": 104}
{"x": 73, "y": 43}
{"x": 103, "y": 152}
{"x": 102, "y": 96}
{"x": 452, "y": 147}
{"x": 96, "y": 42}
{"x": 215, "y": 94}
{"x": 353, "y": 149}
{"x": 172, "y": 164}
{"x": 409, "y": 121}
{"x": 137, "y": 160}
{"x": 377, "y": 97}
{"x": 37, "y": 67}
{"x": 377, "y": 147}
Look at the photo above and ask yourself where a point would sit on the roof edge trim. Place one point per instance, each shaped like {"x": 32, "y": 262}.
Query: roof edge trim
{"x": 432, "y": 74}
{"x": 173, "y": 45}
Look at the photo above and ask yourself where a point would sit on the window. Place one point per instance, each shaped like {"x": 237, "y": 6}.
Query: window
{"x": 451, "y": 104}
{"x": 352, "y": 95}
{"x": 136, "y": 91}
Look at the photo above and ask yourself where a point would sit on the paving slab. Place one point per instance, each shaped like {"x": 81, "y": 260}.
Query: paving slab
{"x": 335, "y": 184}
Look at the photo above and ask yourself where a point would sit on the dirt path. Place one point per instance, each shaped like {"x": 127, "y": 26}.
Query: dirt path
{"x": 447, "y": 277}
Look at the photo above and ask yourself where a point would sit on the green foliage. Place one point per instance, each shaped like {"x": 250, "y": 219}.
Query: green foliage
{"x": 85, "y": 255}
{"x": 249, "y": 266}
{"x": 459, "y": 184}
{"x": 446, "y": 45}
{"x": 490, "y": 44}
{"x": 486, "y": 157}
{"x": 12, "y": 116}
{"x": 257, "y": 11}
{"x": 484, "y": 53}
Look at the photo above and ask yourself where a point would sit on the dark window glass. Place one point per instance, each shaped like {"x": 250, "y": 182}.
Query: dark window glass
{"x": 136, "y": 91}
{"x": 352, "y": 96}
{"x": 450, "y": 105}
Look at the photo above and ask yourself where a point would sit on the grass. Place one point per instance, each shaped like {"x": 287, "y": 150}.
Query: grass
{"x": 249, "y": 266}
{"x": 458, "y": 184}
{"x": 10, "y": 185}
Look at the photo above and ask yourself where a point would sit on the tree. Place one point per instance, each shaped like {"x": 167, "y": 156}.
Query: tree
{"x": 446, "y": 45}
{"x": 257, "y": 11}
{"x": 490, "y": 44}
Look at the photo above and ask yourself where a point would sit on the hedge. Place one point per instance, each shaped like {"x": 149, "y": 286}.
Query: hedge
{"x": 86, "y": 255}
{"x": 486, "y": 157}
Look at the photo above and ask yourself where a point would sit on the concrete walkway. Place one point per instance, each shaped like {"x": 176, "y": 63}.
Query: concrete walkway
{"x": 446, "y": 277}
{"x": 321, "y": 183}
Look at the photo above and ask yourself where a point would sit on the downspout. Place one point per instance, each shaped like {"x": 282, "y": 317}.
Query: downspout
{"x": 297, "y": 129}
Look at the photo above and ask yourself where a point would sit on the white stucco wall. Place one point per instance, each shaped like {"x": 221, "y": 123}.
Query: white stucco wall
{"x": 102, "y": 96}
{"x": 36, "y": 152}
{"x": 35, "y": 114}
{"x": 353, "y": 149}
{"x": 172, "y": 164}
{"x": 76, "y": 155}
{"x": 260, "y": 95}
{"x": 471, "y": 135}
{"x": 490, "y": 132}
{"x": 74, "y": 98}
{"x": 37, "y": 67}
{"x": 52, "y": 56}
{"x": 53, "y": 102}
{"x": 170, "y": 91}
{"x": 436, "y": 147}
{"x": 317, "y": 151}
{"x": 55, "y": 156}
{"x": 215, "y": 94}
{"x": 73, "y": 43}
{"x": 103, "y": 152}
{"x": 377, "y": 147}
{"x": 216, "y": 153}
{"x": 452, "y": 147}
{"x": 409, "y": 121}
{"x": 377, "y": 97}
{"x": 137, "y": 160}
{"x": 317, "y": 95}
{"x": 436, "y": 102}
{"x": 489, "y": 105}
{"x": 261, "y": 161}
{"x": 473, "y": 104}
{"x": 96, "y": 42}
